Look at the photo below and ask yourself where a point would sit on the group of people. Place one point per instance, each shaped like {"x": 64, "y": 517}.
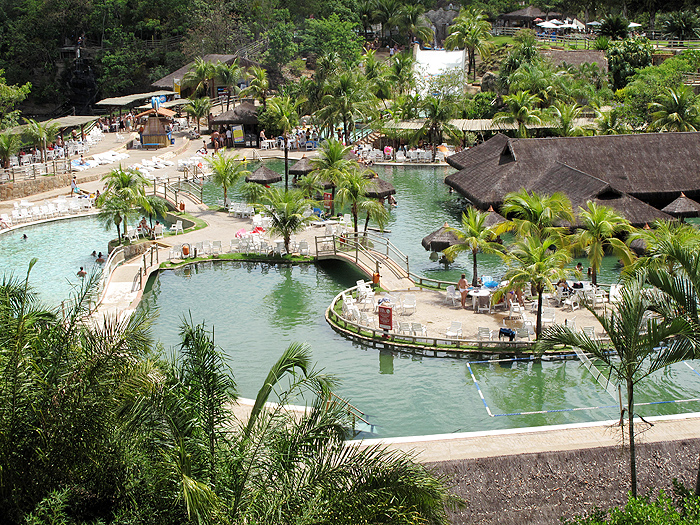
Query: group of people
{"x": 99, "y": 258}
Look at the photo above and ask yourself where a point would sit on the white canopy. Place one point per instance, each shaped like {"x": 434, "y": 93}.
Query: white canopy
{"x": 634, "y": 24}
{"x": 548, "y": 25}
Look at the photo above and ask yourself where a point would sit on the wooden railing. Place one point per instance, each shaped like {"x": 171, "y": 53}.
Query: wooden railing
{"x": 32, "y": 171}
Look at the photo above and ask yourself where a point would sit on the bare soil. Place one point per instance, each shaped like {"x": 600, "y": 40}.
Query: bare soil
{"x": 544, "y": 487}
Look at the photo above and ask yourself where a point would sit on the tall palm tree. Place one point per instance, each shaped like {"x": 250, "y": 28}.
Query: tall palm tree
{"x": 522, "y": 111}
{"x": 332, "y": 165}
{"x": 10, "y": 143}
{"x": 438, "y": 112}
{"x": 410, "y": 20}
{"x": 474, "y": 236}
{"x": 157, "y": 206}
{"x": 535, "y": 213}
{"x": 200, "y": 77}
{"x": 284, "y": 113}
{"x": 229, "y": 75}
{"x": 540, "y": 80}
{"x": 376, "y": 73}
{"x": 402, "y": 72}
{"x": 346, "y": 99}
{"x": 374, "y": 211}
{"x": 384, "y": 13}
{"x": 352, "y": 189}
{"x": 41, "y": 134}
{"x": 286, "y": 210}
{"x": 658, "y": 240}
{"x": 678, "y": 110}
{"x": 472, "y": 32}
{"x": 641, "y": 345}
{"x": 600, "y": 228}
{"x": 258, "y": 85}
{"x": 227, "y": 171}
{"x": 198, "y": 108}
{"x": 536, "y": 262}
{"x": 124, "y": 194}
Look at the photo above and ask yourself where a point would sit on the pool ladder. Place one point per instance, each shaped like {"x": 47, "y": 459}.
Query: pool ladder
{"x": 357, "y": 417}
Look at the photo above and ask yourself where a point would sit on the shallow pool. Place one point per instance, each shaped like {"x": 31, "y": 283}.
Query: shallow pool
{"x": 61, "y": 248}
{"x": 258, "y": 309}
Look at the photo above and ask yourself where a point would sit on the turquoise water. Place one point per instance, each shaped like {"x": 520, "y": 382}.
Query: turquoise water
{"x": 258, "y": 309}
{"x": 61, "y": 248}
{"x": 424, "y": 205}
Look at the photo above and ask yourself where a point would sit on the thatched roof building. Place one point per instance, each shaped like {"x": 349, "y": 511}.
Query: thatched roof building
{"x": 683, "y": 207}
{"x": 440, "y": 239}
{"x": 302, "y": 167}
{"x": 244, "y": 113}
{"x": 379, "y": 188}
{"x": 616, "y": 170}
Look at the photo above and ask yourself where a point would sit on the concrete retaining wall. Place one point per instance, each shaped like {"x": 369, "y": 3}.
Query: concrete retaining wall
{"x": 25, "y": 188}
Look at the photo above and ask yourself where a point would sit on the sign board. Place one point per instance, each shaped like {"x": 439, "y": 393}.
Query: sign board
{"x": 386, "y": 321}
{"x": 176, "y": 86}
{"x": 327, "y": 199}
{"x": 238, "y": 136}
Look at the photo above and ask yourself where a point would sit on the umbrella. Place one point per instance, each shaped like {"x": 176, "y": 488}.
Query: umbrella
{"x": 379, "y": 188}
{"x": 264, "y": 175}
{"x": 548, "y": 25}
{"x": 538, "y": 19}
{"x": 555, "y": 21}
{"x": 440, "y": 239}
{"x": 595, "y": 23}
{"x": 634, "y": 24}
{"x": 683, "y": 207}
{"x": 302, "y": 167}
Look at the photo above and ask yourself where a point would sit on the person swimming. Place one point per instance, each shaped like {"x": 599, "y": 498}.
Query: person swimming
{"x": 81, "y": 272}
{"x": 99, "y": 259}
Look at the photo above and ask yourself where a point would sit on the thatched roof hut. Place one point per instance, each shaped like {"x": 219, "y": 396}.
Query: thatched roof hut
{"x": 379, "y": 188}
{"x": 683, "y": 207}
{"x": 440, "y": 239}
{"x": 528, "y": 14}
{"x": 616, "y": 170}
{"x": 302, "y": 167}
{"x": 494, "y": 218}
{"x": 244, "y": 113}
{"x": 264, "y": 175}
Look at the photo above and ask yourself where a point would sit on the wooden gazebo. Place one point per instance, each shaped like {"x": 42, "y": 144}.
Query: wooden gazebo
{"x": 244, "y": 119}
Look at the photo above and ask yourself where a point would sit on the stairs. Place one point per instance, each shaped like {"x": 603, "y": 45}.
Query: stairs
{"x": 369, "y": 139}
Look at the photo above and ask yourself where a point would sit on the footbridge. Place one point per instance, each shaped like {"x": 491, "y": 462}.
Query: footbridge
{"x": 370, "y": 254}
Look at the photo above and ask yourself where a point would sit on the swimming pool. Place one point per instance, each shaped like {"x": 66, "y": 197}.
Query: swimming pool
{"x": 61, "y": 248}
{"x": 258, "y": 309}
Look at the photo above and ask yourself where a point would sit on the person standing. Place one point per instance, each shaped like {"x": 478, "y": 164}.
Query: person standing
{"x": 463, "y": 289}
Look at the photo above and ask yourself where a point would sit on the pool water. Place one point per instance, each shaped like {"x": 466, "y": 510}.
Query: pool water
{"x": 61, "y": 248}
{"x": 424, "y": 205}
{"x": 257, "y": 310}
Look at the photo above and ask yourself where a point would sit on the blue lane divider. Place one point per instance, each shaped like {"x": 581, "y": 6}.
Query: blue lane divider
{"x": 532, "y": 412}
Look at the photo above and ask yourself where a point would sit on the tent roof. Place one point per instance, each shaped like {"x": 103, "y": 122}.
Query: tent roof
{"x": 168, "y": 103}
{"x": 682, "y": 206}
{"x": 440, "y": 239}
{"x": 127, "y": 100}
{"x": 162, "y": 112}
{"x": 302, "y": 167}
{"x": 379, "y": 188}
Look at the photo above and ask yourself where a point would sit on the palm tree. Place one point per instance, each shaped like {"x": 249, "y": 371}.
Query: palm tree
{"x": 229, "y": 75}
{"x": 346, "y": 99}
{"x": 536, "y": 262}
{"x": 402, "y": 73}
{"x": 659, "y": 239}
{"x": 365, "y": 12}
{"x": 678, "y": 110}
{"x": 410, "y": 19}
{"x": 376, "y": 73}
{"x": 258, "y": 85}
{"x": 614, "y": 27}
{"x": 682, "y": 25}
{"x": 610, "y": 122}
{"x": 332, "y": 165}
{"x": 472, "y": 32}
{"x": 286, "y": 210}
{"x": 641, "y": 345}
{"x": 10, "y": 143}
{"x": 539, "y": 80}
{"x": 227, "y": 171}
{"x": 438, "y": 112}
{"x": 474, "y": 236}
{"x": 41, "y": 134}
{"x": 533, "y": 213}
{"x": 200, "y": 77}
{"x": 284, "y": 113}
{"x": 384, "y": 13}
{"x": 123, "y": 195}
{"x": 198, "y": 108}
{"x": 156, "y": 206}
{"x": 375, "y": 211}
{"x": 521, "y": 111}
{"x": 352, "y": 189}
{"x": 565, "y": 116}
{"x": 600, "y": 226}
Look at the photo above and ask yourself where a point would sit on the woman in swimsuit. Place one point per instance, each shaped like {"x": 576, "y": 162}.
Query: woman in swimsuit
{"x": 463, "y": 289}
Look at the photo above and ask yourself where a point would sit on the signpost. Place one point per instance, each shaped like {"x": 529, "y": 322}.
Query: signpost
{"x": 386, "y": 319}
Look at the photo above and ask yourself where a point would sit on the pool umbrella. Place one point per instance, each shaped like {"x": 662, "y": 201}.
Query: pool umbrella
{"x": 379, "y": 188}
{"x": 302, "y": 167}
{"x": 264, "y": 175}
{"x": 683, "y": 207}
{"x": 440, "y": 239}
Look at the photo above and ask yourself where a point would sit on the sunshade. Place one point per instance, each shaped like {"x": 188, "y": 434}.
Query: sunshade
{"x": 440, "y": 239}
{"x": 264, "y": 175}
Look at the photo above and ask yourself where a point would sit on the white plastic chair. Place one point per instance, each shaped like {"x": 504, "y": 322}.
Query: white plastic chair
{"x": 409, "y": 303}
{"x": 548, "y": 316}
{"x": 216, "y": 247}
{"x": 451, "y": 293}
{"x": 455, "y": 329}
{"x": 177, "y": 228}
{"x": 589, "y": 331}
{"x": 419, "y": 329}
{"x": 484, "y": 334}
{"x": 303, "y": 248}
{"x": 158, "y": 231}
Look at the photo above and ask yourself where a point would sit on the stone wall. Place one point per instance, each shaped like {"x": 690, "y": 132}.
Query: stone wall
{"x": 25, "y": 188}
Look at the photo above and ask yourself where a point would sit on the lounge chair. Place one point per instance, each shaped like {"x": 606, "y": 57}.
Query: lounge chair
{"x": 455, "y": 329}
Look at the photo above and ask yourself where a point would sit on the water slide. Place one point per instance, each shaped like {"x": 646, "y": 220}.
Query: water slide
{"x": 431, "y": 63}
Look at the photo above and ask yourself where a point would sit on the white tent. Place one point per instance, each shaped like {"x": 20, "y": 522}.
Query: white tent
{"x": 634, "y": 24}
{"x": 548, "y": 25}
